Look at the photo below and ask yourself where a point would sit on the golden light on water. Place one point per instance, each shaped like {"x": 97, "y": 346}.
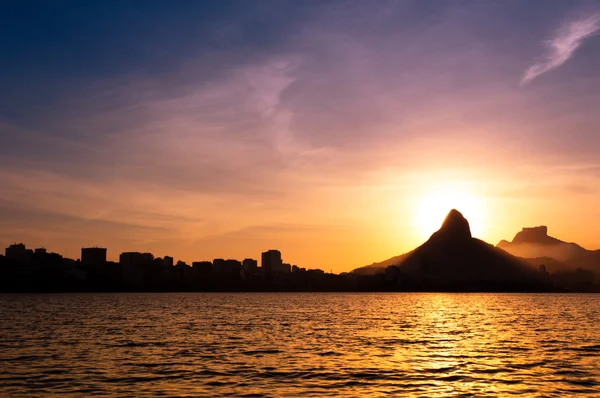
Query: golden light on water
{"x": 436, "y": 201}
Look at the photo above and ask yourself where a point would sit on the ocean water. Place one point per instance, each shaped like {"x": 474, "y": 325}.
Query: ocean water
{"x": 284, "y": 344}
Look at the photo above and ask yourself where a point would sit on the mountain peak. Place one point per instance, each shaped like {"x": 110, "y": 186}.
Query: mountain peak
{"x": 533, "y": 235}
{"x": 452, "y": 255}
{"x": 455, "y": 225}
{"x": 535, "y": 242}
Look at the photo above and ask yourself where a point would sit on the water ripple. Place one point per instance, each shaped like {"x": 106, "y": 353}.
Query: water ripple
{"x": 274, "y": 345}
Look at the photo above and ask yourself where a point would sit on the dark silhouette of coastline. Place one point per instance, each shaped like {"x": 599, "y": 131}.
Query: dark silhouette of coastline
{"x": 451, "y": 260}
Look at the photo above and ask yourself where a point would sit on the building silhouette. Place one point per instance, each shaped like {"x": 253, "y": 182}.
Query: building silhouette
{"x": 202, "y": 269}
{"x": 233, "y": 269}
{"x": 249, "y": 264}
{"x": 18, "y": 252}
{"x": 272, "y": 263}
{"x": 133, "y": 265}
{"x": 93, "y": 255}
{"x": 182, "y": 270}
{"x": 130, "y": 259}
{"x": 251, "y": 270}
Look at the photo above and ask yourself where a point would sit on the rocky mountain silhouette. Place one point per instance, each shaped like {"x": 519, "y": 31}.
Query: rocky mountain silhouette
{"x": 452, "y": 256}
{"x": 379, "y": 267}
{"x": 536, "y": 247}
{"x": 535, "y": 243}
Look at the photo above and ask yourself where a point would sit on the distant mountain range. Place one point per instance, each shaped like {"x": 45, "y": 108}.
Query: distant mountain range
{"x": 452, "y": 254}
{"x": 537, "y": 248}
{"x": 535, "y": 242}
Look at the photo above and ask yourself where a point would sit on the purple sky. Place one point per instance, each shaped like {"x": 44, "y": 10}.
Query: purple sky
{"x": 222, "y": 129}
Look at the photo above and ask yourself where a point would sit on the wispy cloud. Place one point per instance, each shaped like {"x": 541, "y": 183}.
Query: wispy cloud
{"x": 563, "y": 45}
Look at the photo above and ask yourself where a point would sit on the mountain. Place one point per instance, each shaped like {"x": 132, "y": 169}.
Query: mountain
{"x": 452, "y": 255}
{"x": 452, "y": 259}
{"x": 535, "y": 242}
{"x": 536, "y": 247}
{"x": 377, "y": 268}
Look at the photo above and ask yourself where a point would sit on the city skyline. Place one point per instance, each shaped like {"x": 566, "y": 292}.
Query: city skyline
{"x": 95, "y": 255}
{"x": 450, "y": 260}
{"x": 338, "y": 132}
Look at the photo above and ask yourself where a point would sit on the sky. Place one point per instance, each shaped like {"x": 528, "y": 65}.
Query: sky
{"x": 338, "y": 132}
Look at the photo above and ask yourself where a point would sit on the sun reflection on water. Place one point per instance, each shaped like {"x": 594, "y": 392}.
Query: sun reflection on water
{"x": 433, "y": 345}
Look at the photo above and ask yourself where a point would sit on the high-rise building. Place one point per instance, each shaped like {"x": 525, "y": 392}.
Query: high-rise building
{"x": 233, "y": 269}
{"x": 135, "y": 266}
{"x": 147, "y": 257}
{"x": 168, "y": 261}
{"x": 218, "y": 264}
{"x": 250, "y": 269}
{"x": 18, "y": 252}
{"x": 226, "y": 269}
{"x": 271, "y": 262}
{"x": 130, "y": 259}
{"x": 136, "y": 258}
{"x": 249, "y": 265}
{"x": 93, "y": 256}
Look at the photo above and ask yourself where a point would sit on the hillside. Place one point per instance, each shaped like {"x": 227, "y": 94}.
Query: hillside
{"x": 535, "y": 242}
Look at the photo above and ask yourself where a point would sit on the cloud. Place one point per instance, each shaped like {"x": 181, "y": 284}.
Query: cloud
{"x": 563, "y": 46}
{"x": 344, "y": 107}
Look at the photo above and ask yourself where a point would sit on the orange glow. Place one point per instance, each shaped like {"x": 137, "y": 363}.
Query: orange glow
{"x": 432, "y": 206}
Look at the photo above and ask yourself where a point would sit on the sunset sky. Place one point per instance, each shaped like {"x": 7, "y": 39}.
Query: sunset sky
{"x": 332, "y": 131}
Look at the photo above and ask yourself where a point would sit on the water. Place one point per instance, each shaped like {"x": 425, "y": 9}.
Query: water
{"x": 299, "y": 344}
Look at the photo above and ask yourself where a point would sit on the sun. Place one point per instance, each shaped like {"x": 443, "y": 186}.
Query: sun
{"x": 434, "y": 204}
